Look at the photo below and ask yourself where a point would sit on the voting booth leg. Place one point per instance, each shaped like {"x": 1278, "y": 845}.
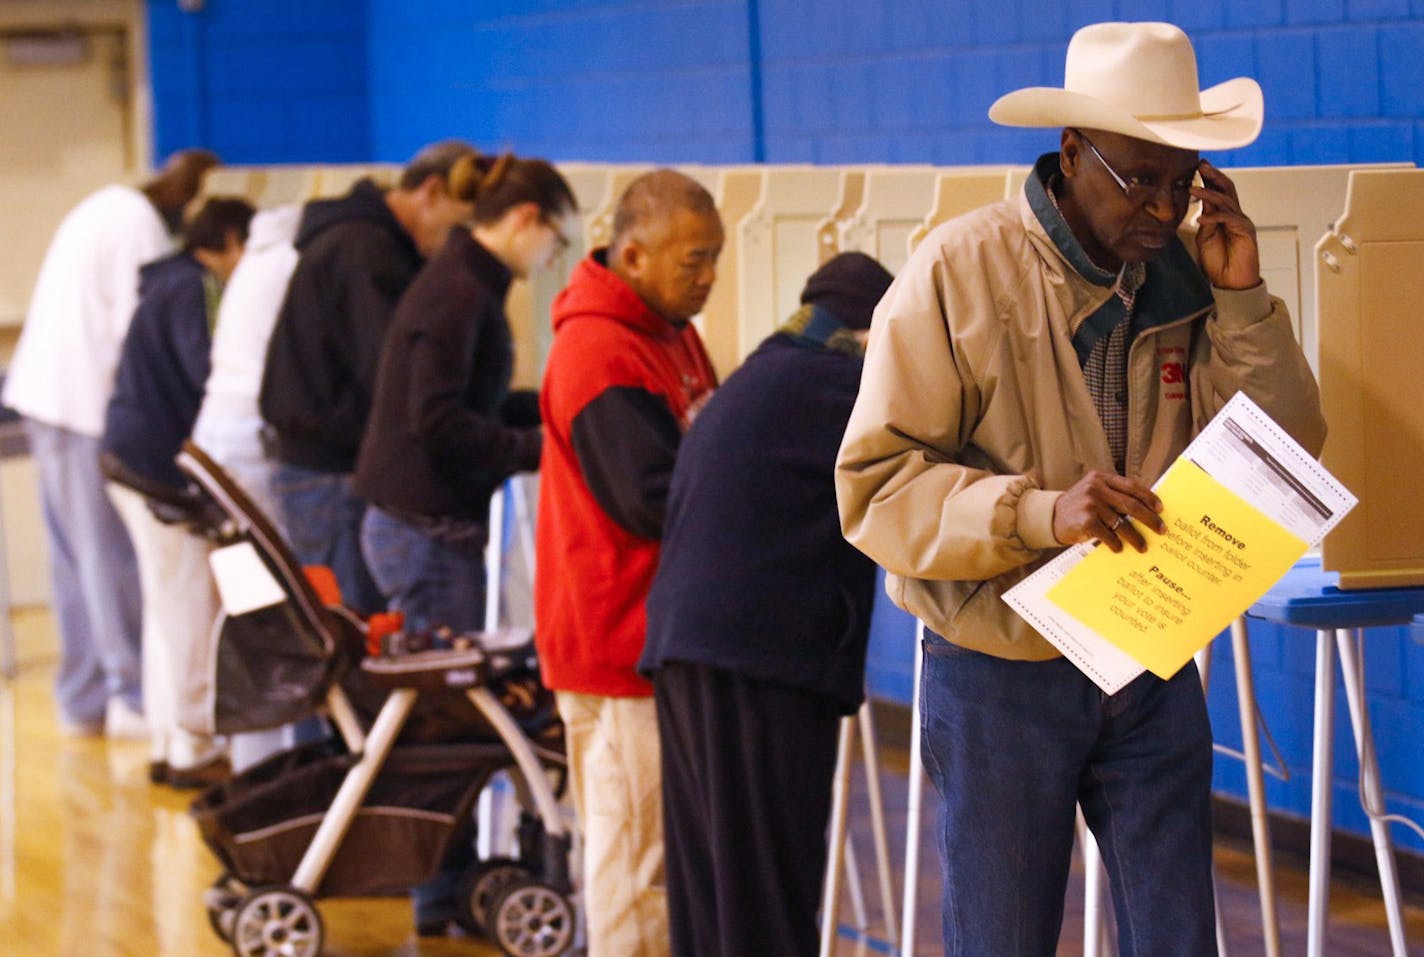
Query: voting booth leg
{"x": 1322, "y": 770}
{"x": 1094, "y": 882}
{"x": 1255, "y": 789}
{"x": 492, "y": 809}
{"x": 860, "y": 920}
{"x": 838, "y": 833}
{"x": 835, "y": 850}
{"x": 870, "y": 749}
{"x": 1203, "y": 660}
{"x": 494, "y": 560}
{"x": 1371, "y": 792}
{"x": 915, "y": 792}
{"x": 8, "y": 668}
{"x": 1223, "y": 948}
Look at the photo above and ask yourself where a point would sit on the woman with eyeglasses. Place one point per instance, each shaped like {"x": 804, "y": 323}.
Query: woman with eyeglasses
{"x": 445, "y": 430}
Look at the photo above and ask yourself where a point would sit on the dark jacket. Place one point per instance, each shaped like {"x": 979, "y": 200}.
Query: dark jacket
{"x": 620, "y": 387}
{"x": 438, "y": 443}
{"x": 356, "y": 260}
{"x": 755, "y": 577}
{"x": 158, "y": 385}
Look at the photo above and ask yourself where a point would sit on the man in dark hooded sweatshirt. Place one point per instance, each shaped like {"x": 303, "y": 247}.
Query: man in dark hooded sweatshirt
{"x": 757, "y": 626}
{"x": 357, "y": 255}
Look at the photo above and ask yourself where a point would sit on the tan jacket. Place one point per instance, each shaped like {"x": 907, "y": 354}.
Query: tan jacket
{"x": 973, "y": 415}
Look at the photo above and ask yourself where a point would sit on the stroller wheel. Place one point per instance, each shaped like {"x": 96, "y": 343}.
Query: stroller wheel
{"x": 531, "y": 919}
{"x": 221, "y": 902}
{"x": 480, "y": 888}
{"x": 277, "y": 921}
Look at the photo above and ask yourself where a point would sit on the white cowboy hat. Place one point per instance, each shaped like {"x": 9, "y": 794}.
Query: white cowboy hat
{"x": 1140, "y": 80}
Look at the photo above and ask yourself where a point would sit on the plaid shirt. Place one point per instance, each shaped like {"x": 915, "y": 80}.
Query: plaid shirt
{"x": 1105, "y": 370}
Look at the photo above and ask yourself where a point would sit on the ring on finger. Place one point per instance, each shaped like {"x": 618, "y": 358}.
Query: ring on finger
{"x": 1121, "y": 520}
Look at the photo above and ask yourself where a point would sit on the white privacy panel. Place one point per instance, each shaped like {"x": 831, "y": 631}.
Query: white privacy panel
{"x": 1292, "y": 207}
{"x": 1369, "y": 281}
{"x": 960, "y": 189}
{"x": 893, "y": 206}
{"x": 738, "y": 190}
{"x": 779, "y": 246}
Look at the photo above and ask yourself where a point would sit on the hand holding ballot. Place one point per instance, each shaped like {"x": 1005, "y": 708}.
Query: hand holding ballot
{"x": 1240, "y": 506}
{"x": 1108, "y": 508}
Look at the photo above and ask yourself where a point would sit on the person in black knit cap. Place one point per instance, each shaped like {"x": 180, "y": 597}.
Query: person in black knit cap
{"x": 757, "y": 627}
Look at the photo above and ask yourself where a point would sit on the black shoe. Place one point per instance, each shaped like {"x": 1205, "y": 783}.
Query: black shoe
{"x": 439, "y": 928}
{"x": 199, "y": 776}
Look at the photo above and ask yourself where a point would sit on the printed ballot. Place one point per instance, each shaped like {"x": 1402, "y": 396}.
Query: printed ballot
{"x": 1161, "y": 606}
{"x": 1242, "y": 504}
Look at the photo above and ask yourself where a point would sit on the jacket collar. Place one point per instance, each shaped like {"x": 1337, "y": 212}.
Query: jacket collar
{"x": 1175, "y": 287}
{"x": 479, "y": 260}
{"x": 596, "y": 290}
{"x": 1053, "y": 223}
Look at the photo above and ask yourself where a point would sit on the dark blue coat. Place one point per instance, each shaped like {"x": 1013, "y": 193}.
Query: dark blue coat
{"x": 755, "y": 577}
{"x": 158, "y": 385}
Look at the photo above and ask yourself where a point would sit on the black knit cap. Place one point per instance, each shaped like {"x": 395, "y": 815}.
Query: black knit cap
{"x": 848, "y": 285}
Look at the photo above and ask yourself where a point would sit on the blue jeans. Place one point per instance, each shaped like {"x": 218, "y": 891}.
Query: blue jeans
{"x": 431, "y": 582}
{"x": 97, "y": 596}
{"x": 321, "y": 517}
{"x": 1012, "y": 746}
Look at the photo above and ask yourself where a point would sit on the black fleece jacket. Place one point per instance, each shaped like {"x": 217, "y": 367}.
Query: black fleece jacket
{"x": 755, "y": 576}
{"x": 356, "y": 260}
{"x": 442, "y": 436}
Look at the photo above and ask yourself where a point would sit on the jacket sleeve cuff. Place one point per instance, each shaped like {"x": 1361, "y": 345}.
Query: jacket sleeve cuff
{"x": 1241, "y": 307}
{"x": 1035, "y": 518}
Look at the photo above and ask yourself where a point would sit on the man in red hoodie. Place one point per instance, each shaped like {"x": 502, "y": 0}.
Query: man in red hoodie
{"x": 625, "y": 376}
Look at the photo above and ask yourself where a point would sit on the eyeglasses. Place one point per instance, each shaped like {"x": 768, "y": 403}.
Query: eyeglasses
{"x": 560, "y": 239}
{"x": 1140, "y": 191}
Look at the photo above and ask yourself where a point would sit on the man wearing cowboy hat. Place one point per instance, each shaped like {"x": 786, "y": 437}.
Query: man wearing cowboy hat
{"x": 1035, "y": 367}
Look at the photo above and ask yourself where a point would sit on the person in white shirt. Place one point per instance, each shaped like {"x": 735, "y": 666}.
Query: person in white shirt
{"x": 60, "y": 380}
{"x": 229, "y": 425}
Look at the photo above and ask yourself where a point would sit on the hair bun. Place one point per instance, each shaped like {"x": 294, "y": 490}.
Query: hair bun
{"x": 475, "y": 173}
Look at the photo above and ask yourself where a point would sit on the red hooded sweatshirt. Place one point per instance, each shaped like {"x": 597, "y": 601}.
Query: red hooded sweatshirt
{"x": 620, "y": 388}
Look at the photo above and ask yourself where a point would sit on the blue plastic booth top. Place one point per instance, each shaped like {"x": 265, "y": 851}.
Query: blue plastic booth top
{"x": 1307, "y": 596}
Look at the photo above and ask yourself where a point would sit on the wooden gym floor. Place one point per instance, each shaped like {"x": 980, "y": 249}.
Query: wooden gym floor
{"x": 96, "y": 862}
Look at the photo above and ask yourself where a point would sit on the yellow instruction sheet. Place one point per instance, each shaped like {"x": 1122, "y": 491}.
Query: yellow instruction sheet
{"x": 1163, "y": 605}
{"x": 1242, "y": 503}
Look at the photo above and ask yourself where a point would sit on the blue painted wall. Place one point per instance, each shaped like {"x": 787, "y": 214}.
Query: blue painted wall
{"x": 262, "y": 81}
{"x": 1283, "y": 664}
{"x": 827, "y": 81}
{"x": 578, "y": 79}
{"x": 720, "y": 81}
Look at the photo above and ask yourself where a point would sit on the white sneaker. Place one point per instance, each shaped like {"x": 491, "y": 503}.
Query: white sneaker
{"x": 187, "y": 750}
{"x": 123, "y": 723}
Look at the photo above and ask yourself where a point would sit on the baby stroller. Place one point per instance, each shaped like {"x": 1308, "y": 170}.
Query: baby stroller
{"x": 423, "y": 726}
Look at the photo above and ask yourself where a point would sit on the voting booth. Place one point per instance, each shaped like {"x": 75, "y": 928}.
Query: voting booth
{"x": 778, "y": 244}
{"x": 1369, "y": 288}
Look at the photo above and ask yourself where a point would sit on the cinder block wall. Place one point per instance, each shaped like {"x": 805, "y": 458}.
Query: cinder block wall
{"x": 262, "y": 81}
{"x": 723, "y": 81}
